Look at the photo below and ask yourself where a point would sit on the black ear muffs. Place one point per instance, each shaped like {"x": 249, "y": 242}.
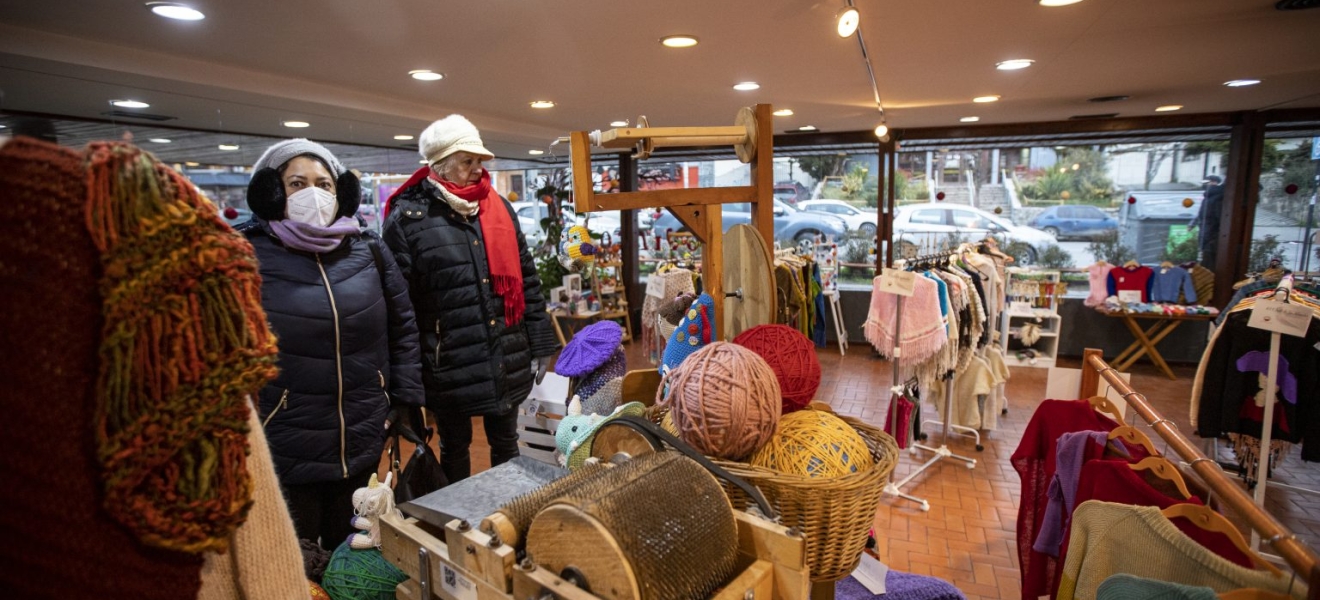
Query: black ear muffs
{"x": 348, "y": 192}
{"x": 265, "y": 195}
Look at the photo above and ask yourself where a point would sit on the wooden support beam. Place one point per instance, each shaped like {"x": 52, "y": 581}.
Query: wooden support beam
{"x": 1090, "y": 385}
{"x": 1238, "y": 213}
{"x": 580, "y": 148}
{"x": 763, "y": 177}
{"x": 628, "y": 246}
{"x": 627, "y": 137}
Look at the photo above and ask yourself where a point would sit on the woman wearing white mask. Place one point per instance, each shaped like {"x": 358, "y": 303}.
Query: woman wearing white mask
{"x": 347, "y": 337}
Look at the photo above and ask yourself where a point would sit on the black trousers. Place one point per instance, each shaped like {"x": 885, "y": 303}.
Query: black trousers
{"x": 456, "y": 436}
{"x": 322, "y": 511}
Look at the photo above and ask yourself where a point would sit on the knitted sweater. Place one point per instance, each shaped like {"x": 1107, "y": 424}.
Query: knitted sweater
{"x": 1136, "y": 278}
{"x": 1127, "y": 587}
{"x": 1203, "y": 281}
{"x": 1097, "y": 276}
{"x": 264, "y": 560}
{"x": 1168, "y": 284}
{"x": 1112, "y": 538}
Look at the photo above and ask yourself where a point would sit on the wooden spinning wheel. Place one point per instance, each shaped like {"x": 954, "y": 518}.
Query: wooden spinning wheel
{"x": 749, "y": 281}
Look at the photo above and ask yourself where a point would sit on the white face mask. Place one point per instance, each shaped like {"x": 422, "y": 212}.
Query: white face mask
{"x": 313, "y": 206}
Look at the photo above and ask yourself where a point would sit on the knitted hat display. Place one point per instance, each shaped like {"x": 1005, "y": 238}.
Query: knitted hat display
{"x": 449, "y": 135}
{"x": 725, "y": 400}
{"x": 185, "y": 343}
{"x": 791, "y": 356}
{"x": 595, "y": 358}
{"x": 695, "y": 331}
{"x": 265, "y": 192}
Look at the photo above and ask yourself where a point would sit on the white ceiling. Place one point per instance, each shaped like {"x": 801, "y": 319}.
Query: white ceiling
{"x": 342, "y": 64}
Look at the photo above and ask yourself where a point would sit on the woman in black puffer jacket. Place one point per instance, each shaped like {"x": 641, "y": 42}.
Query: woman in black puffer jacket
{"x": 347, "y": 336}
{"x": 480, "y": 312}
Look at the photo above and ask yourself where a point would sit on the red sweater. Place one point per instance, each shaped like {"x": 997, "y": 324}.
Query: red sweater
{"x": 1136, "y": 278}
{"x": 1034, "y": 462}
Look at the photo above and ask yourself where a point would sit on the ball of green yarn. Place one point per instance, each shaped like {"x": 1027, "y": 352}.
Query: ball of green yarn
{"x": 360, "y": 575}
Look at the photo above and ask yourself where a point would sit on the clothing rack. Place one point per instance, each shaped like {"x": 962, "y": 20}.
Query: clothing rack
{"x": 892, "y": 488}
{"x": 1300, "y": 557}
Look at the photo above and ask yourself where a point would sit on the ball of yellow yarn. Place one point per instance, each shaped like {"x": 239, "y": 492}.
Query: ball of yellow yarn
{"x": 814, "y": 443}
{"x": 667, "y": 423}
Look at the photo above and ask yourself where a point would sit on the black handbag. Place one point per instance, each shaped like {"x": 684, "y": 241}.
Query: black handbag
{"x": 421, "y": 474}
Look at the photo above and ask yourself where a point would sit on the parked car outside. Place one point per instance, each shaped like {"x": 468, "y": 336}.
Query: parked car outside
{"x": 1065, "y": 222}
{"x": 932, "y": 224}
{"x": 858, "y": 220}
{"x": 791, "y": 225}
{"x": 791, "y": 192}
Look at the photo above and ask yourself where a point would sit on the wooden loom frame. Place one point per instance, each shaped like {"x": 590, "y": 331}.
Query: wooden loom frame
{"x": 700, "y": 209}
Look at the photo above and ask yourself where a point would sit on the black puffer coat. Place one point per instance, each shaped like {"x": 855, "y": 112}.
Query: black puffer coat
{"x": 347, "y": 353}
{"x": 471, "y": 362}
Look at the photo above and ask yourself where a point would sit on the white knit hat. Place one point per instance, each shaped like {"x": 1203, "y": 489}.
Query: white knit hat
{"x": 449, "y": 135}
{"x": 275, "y": 156}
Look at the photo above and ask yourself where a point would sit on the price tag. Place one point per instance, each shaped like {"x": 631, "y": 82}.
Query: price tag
{"x": 898, "y": 282}
{"x": 1129, "y": 296}
{"x": 456, "y": 585}
{"x": 1280, "y": 317}
{"x": 1019, "y": 307}
{"x": 871, "y": 573}
{"x": 655, "y": 288}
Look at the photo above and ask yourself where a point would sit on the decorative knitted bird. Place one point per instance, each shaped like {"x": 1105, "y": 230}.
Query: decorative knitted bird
{"x": 577, "y": 245}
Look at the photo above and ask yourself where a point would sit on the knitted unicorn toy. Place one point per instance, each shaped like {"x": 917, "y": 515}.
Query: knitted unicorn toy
{"x": 369, "y": 504}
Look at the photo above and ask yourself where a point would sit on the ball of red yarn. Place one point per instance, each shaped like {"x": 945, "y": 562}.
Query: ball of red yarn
{"x": 791, "y": 356}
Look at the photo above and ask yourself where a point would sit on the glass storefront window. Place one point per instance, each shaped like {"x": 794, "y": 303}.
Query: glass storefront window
{"x": 1284, "y": 231}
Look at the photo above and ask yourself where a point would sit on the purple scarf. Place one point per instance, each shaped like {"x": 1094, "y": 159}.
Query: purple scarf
{"x": 313, "y": 238}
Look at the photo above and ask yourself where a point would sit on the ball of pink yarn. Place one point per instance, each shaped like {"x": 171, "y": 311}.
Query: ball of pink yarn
{"x": 725, "y": 401}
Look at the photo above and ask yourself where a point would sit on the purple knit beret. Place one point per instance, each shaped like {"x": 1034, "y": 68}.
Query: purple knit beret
{"x": 589, "y": 349}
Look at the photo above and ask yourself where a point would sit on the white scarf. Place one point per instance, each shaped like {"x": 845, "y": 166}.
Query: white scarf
{"x": 461, "y": 206}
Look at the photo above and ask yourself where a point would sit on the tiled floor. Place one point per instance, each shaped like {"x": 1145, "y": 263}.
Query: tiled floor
{"x": 968, "y": 536}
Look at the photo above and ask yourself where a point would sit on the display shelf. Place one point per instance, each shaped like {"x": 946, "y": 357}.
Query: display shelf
{"x": 614, "y": 305}
{"x": 1033, "y": 298}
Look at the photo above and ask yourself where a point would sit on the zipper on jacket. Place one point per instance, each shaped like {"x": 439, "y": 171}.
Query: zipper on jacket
{"x": 339, "y": 368}
{"x": 437, "y": 343}
{"x": 382, "y": 387}
{"x": 284, "y": 401}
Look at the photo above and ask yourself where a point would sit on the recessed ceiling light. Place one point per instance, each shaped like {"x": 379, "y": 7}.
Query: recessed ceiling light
{"x": 1241, "y": 82}
{"x": 784, "y": 112}
{"x": 679, "y": 41}
{"x": 747, "y": 86}
{"x": 618, "y": 123}
{"x": 1014, "y": 64}
{"x": 130, "y": 103}
{"x": 160, "y": 140}
{"x": 984, "y": 99}
{"x": 173, "y": 10}
{"x": 228, "y": 146}
{"x": 1168, "y": 108}
{"x": 542, "y": 104}
{"x": 970, "y": 119}
{"x": 849, "y": 19}
{"x": 807, "y": 128}
{"x": 297, "y": 124}
{"x": 1058, "y": 2}
{"x": 536, "y": 152}
{"x": 426, "y": 75}
{"x": 403, "y": 138}
{"x": 192, "y": 164}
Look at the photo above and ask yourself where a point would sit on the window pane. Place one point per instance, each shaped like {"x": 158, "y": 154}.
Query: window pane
{"x": 930, "y": 216}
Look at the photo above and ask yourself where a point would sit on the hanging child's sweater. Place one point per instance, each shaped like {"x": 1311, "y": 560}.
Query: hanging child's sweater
{"x": 1138, "y": 278}
{"x": 1168, "y": 284}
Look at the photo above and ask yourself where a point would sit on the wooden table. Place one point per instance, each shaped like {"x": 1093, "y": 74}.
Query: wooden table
{"x": 1149, "y": 337}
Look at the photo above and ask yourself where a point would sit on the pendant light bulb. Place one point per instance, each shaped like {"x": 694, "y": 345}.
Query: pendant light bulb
{"x": 881, "y": 130}
{"x": 849, "y": 19}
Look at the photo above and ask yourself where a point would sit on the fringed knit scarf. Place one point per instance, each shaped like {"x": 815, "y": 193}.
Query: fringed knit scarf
{"x": 185, "y": 342}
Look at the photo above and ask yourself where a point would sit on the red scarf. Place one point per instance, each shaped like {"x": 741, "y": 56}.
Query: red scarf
{"x": 500, "y": 236}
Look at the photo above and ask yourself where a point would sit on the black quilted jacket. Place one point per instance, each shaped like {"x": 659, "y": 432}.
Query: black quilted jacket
{"x": 471, "y": 361}
{"x": 347, "y": 352}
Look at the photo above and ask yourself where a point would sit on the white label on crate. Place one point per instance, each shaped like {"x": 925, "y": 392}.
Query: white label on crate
{"x": 455, "y": 584}
{"x": 1281, "y": 317}
{"x": 898, "y": 282}
{"x": 1019, "y": 307}
{"x": 1129, "y": 296}
{"x": 871, "y": 573}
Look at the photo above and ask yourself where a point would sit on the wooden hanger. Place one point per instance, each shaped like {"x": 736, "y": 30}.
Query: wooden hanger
{"x": 1104, "y": 405}
{"x": 1165, "y": 470}
{"x": 1206, "y": 518}
{"x": 1166, "y": 264}
{"x": 1132, "y": 436}
{"x": 1131, "y": 264}
{"x": 1253, "y": 594}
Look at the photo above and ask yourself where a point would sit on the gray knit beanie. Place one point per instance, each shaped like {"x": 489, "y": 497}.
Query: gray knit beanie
{"x": 275, "y": 156}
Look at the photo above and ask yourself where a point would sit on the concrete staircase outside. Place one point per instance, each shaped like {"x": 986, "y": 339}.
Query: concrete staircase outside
{"x": 955, "y": 194}
{"x": 992, "y": 196}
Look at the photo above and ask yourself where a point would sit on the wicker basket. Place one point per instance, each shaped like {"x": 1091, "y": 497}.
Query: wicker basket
{"x": 835, "y": 513}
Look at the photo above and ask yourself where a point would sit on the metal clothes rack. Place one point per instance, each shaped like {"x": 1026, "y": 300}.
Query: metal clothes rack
{"x": 1300, "y": 557}
{"x": 892, "y": 488}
